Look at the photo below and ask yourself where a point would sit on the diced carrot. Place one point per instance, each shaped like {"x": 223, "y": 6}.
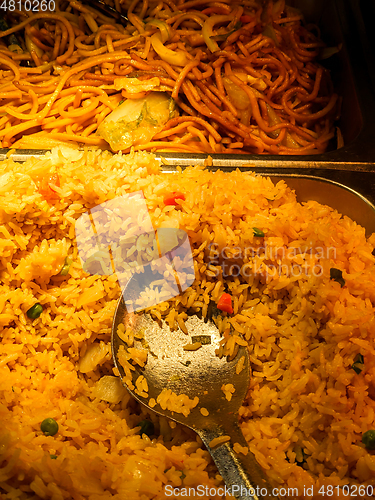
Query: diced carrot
{"x": 225, "y": 303}
{"x": 172, "y": 198}
{"x": 46, "y": 186}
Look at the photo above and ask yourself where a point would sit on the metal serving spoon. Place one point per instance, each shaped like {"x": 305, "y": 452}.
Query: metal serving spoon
{"x": 195, "y": 373}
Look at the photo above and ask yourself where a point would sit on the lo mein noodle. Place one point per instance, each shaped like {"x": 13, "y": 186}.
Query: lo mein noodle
{"x": 244, "y": 76}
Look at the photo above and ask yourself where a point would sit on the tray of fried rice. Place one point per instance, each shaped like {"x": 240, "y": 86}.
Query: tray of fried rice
{"x": 305, "y": 307}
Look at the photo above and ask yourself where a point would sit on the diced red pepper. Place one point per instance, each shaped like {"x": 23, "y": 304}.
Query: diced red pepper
{"x": 245, "y": 19}
{"x": 46, "y": 186}
{"x": 172, "y": 198}
{"x": 225, "y": 303}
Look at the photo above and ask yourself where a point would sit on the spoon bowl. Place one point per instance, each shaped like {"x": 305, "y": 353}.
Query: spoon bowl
{"x": 189, "y": 383}
{"x": 171, "y": 365}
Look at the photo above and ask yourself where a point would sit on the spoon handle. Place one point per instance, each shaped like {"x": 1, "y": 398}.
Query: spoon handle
{"x": 241, "y": 473}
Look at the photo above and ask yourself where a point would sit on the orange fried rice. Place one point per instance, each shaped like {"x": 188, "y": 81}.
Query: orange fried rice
{"x": 307, "y": 408}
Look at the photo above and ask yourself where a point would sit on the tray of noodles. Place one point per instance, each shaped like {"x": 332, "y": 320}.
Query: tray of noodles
{"x": 281, "y": 79}
{"x": 305, "y": 308}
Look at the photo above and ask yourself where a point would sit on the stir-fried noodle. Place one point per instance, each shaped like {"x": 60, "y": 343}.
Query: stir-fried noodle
{"x": 243, "y": 76}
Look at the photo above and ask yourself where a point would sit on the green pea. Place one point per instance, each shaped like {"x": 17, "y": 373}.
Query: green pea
{"x": 49, "y": 426}
{"x": 35, "y": 311}
{"x": 65, "y": 268}
{"x": 258, "y": 232}
{"x": 147, "y": 427}
{"x": 368, "y": 439}
{"x": 53, "y": 457}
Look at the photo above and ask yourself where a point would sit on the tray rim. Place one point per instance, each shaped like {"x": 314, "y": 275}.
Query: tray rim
{"x": 223, "y": 160}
